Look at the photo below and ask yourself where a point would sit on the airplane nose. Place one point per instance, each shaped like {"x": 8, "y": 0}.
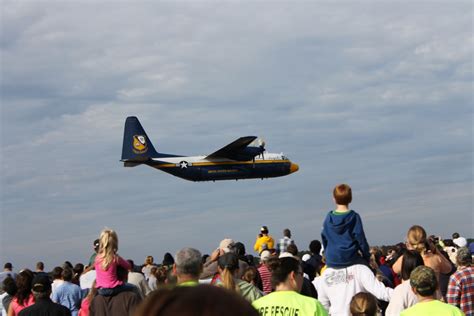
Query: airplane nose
{"x": 294, "y": 167}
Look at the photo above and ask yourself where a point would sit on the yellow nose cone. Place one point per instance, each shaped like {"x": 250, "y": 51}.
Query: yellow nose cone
{"x": 294, "y": 167}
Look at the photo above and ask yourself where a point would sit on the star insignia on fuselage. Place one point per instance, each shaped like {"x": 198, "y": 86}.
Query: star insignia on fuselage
{"x": 183, "y": 165}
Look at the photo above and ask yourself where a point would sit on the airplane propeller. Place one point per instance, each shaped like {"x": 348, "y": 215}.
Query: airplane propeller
{"x": 261, "y": 144}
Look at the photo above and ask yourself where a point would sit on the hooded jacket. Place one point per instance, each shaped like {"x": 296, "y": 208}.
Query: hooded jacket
{"x": 343, "y": 236}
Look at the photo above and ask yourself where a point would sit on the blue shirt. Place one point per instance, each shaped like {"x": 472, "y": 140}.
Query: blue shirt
{"x": 5, "y": 274}
{"x": 69, "y": 295}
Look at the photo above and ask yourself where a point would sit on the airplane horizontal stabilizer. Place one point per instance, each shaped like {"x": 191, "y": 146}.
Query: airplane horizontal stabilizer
{"x": 131, "y": 164}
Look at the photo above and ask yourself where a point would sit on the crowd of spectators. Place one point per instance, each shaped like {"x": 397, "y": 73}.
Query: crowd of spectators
{"x": 342, "y": 275}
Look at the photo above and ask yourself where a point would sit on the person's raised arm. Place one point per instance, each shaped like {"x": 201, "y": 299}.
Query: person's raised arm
{"x": 445, "y": 265}
{"x": 397, "y": 266}
{"x": 374, "y": 286}
{"x": 256, "y": 246}
{"x": 10, "y": 311}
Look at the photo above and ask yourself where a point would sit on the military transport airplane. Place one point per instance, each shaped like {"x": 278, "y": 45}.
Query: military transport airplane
{"x": 242, "y": 159}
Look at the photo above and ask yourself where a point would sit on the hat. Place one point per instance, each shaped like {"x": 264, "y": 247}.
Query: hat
{"x": 239, "y": 248}
{"x": 460, "y": 242}
{"x": 96, "y": 243}
{"x": 264, "y": 229}
{"x": 286, "y": 254}
{"x": 423, "y": 279}
{"x": 228, "y": 260}
{"x": 226, "y": 245}
{"x": 41, "y": 284}
{"x": 8, "y": 265}
{"x": 264, "y": 255}
{"x": 463, "y": 256}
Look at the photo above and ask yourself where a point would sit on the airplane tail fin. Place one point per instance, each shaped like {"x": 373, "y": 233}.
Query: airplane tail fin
{"x": 137, "y": 147}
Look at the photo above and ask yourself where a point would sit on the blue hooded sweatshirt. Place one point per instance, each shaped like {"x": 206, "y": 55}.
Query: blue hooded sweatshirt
{"x": 343, "y": 236}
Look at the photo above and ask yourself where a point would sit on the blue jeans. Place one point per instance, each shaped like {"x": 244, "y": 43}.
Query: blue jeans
{"x": 115, "y": 290}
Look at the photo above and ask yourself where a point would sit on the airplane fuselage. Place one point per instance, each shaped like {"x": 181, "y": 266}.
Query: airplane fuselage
{"x": 198, "y": 168}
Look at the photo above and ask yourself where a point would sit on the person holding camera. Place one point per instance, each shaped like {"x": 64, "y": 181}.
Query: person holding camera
{"x": 418, "y": 241}
{"x": 263, "y": 241}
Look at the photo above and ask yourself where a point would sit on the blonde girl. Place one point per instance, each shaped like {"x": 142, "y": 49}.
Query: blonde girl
{"x": 418, "y": 241}
{"x": 106, "y": 263}
{"x": 147, "y": 266}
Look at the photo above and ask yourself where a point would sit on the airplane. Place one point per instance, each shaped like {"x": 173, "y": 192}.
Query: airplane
{"x": 244, "y": 158}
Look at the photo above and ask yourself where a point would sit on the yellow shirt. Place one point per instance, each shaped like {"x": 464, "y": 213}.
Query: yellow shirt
{"x": 265, "y": 239}
{"x": 432, "y": 308}
{"x": 281, "y": 303}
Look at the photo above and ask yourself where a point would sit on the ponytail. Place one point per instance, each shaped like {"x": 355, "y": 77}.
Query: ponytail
{"x": 108, "y": 247}
{"x": 228, "y": 263}
{"x": 228, "y": 281}
{"x": 416, "y": 237}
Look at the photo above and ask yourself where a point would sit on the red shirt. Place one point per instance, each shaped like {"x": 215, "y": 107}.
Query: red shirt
{"x": 16, "y": 307}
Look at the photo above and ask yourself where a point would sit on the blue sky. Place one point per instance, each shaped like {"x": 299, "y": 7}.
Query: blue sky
{"x": 370, "y": 93}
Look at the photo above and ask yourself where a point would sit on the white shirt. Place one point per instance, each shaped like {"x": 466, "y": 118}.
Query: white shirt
{"x": 87, "y": 279}
{"x": 152, "y": 282}
{"x": 402, "y": 298}
{"x": 3, "y": 312}
{"x": 56, "y": 283}
{"x": 336, "y": 287}
{"x": 139, "y": 281}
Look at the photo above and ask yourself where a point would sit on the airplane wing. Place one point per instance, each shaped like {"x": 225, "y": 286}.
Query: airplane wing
{"x": 234, "y": 150}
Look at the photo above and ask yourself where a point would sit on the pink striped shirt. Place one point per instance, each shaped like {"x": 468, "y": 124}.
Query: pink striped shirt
{"x": 266, "y": 277}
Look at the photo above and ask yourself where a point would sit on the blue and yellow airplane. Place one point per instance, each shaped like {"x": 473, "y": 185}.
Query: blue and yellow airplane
{"x": 241, "y": 159}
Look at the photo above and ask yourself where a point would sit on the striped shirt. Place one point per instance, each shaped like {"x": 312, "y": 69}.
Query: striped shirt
{"x": 461, "y": 290}
{"x": 266, "y": 277}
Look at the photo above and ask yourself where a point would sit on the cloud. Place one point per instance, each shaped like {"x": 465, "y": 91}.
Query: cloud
{"x": 374, "y": 94}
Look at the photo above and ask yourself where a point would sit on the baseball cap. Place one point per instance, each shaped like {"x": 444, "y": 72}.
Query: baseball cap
{"x": 96, "y": 243}
{"x": 265, "y": 255}
{"x": 286, "y": 254}
{"x": 41, "y": 284}
{"x": 8, "y": 265}
{"x": 228, "y": 260}
{"x": 423, "y": 279}
{"x": 463, "y": 255}
{"x": 227, "y": 245}
{"x": 460, "y": 242}
{"x": 306, "y": 257}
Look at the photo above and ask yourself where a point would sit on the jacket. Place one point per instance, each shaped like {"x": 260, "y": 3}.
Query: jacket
{"x": 343, "y": 236}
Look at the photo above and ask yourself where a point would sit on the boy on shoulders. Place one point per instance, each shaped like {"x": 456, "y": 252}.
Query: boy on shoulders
{"x": 343, "y": 235}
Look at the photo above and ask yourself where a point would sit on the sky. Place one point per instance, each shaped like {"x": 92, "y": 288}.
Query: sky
{"x": 375, "y": 94}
